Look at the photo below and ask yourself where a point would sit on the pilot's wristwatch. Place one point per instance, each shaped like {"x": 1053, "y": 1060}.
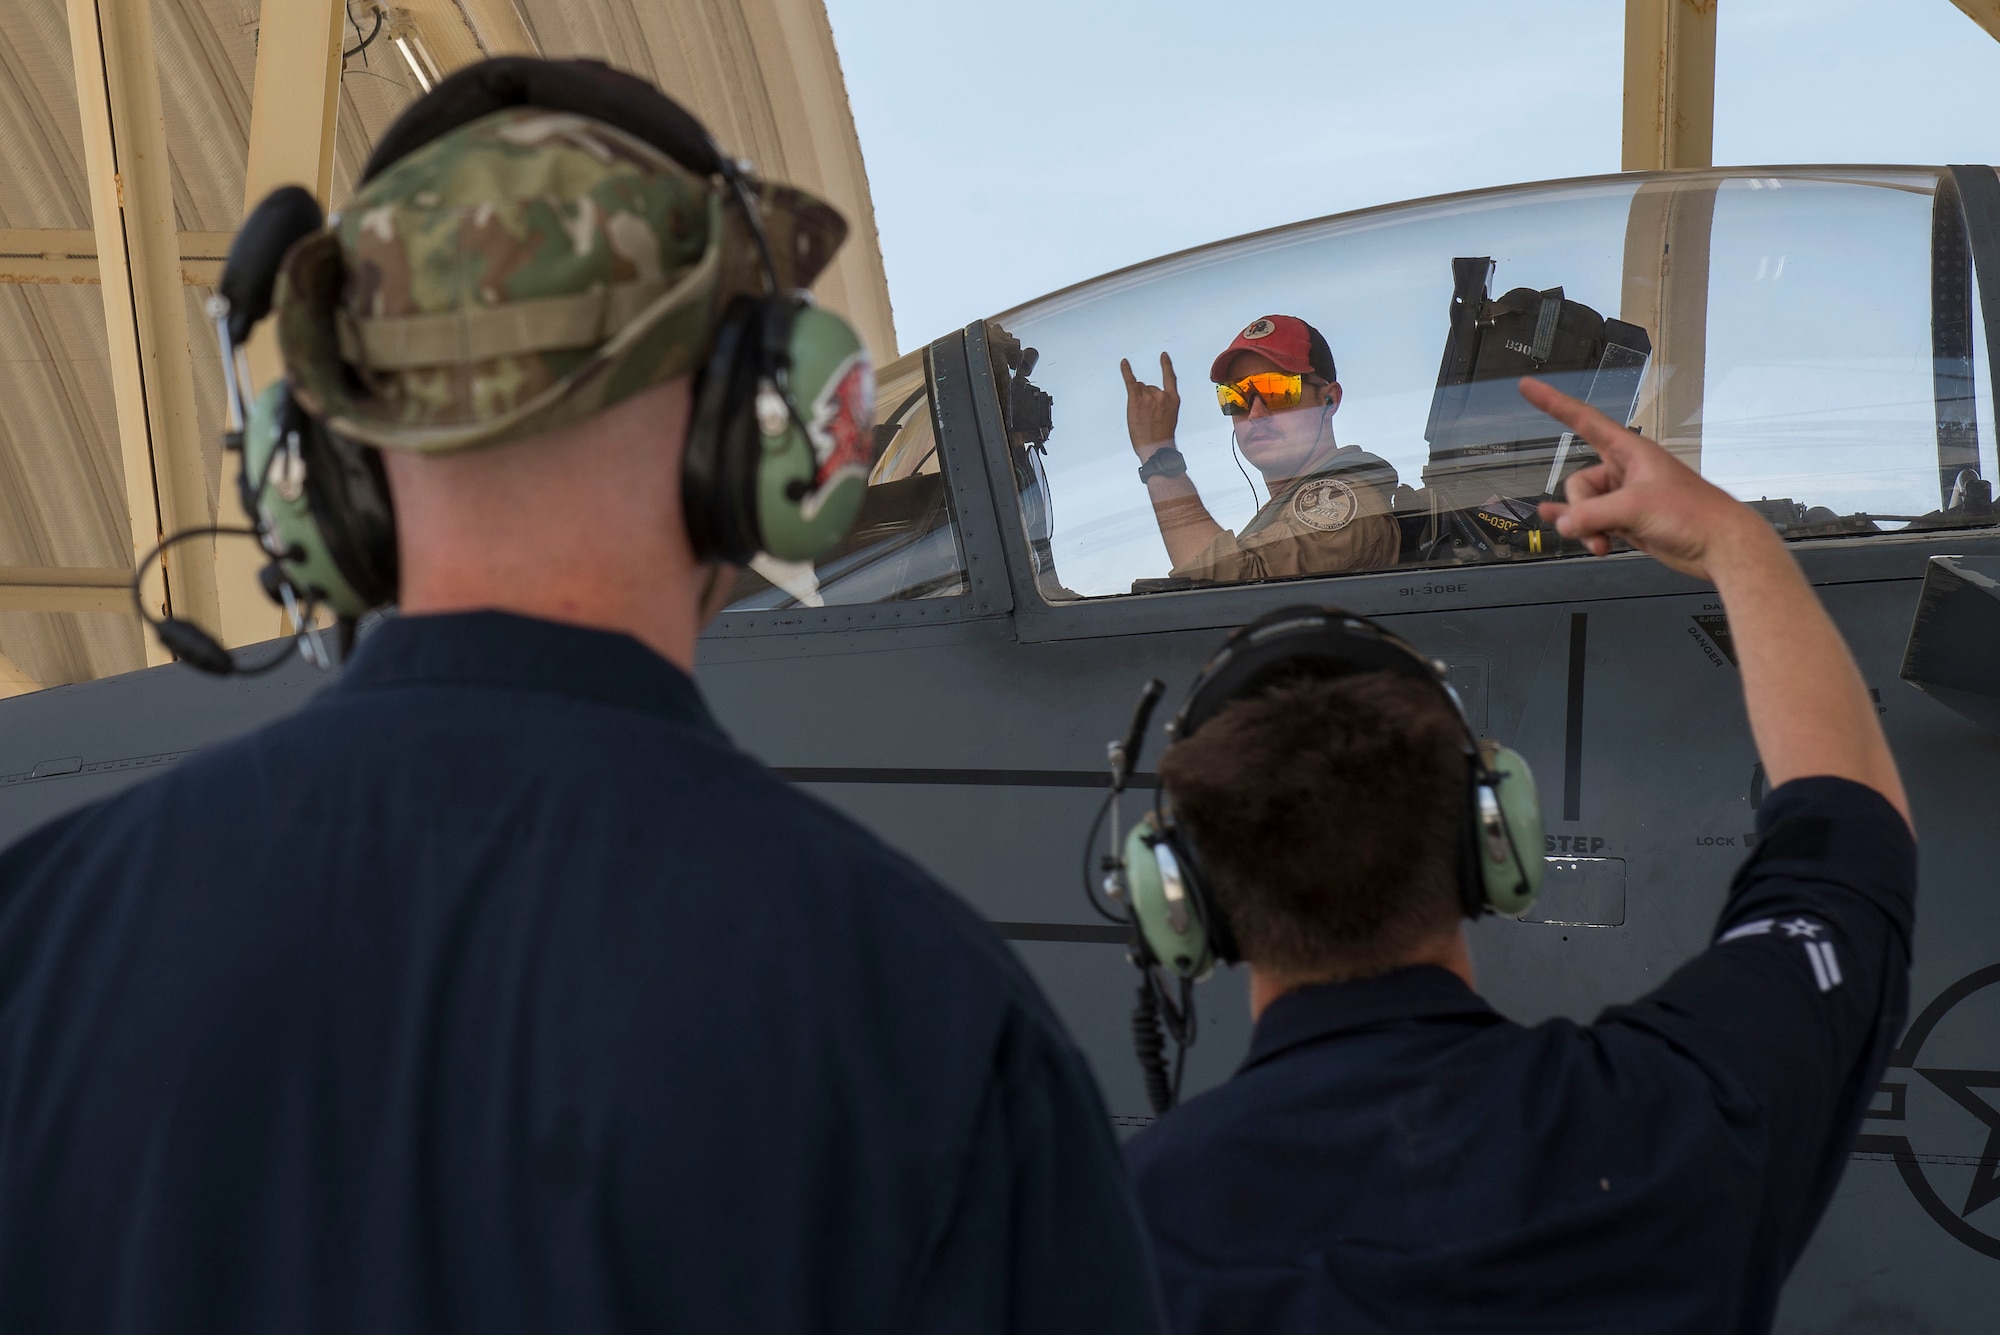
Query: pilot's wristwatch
{"x": 1163, "y": 462}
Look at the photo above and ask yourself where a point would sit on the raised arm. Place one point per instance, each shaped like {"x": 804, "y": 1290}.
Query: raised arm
{"x": 1152, "y": 415}
{"x": 1809, "y": 710}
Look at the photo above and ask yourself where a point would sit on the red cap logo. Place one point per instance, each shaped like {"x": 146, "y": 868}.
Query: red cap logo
{"x": 1285, "y": 341}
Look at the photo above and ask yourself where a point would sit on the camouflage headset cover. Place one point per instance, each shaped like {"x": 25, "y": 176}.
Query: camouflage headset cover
{"x": 522, "y": 273}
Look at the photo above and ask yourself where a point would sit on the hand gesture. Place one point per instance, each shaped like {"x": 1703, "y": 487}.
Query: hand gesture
{"x": 1642, "y": 494}
{"x": 1151, "y": 414}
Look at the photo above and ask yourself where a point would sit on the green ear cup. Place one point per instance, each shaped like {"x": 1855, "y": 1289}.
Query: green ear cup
{"x": 809, "y": 489}
{"x": 1163, "y": 903}
{"x": 1509, "y": 833}
{"x": 274, "y": 491}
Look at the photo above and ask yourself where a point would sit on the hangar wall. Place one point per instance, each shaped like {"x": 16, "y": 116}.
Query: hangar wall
{"x": 111, "y": 391}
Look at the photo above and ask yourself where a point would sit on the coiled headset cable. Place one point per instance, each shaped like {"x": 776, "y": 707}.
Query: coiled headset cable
{"x": 1157, "y": 1018}
{"x": 1155, "y": 1021}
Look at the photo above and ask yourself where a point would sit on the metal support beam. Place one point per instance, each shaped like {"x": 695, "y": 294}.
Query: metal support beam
{"x": 1986, "y": 13}
{"x": 297, "y": 94}
{"x": 292, "y": 117}
{"x": 1665, "y": 292}
{"x": 48, "y": 256}
{"x": 500, "y": 28}
{"x": 152, "y": 373}
{"x": 64, "y": 589}
{"x": 67, "y": 255}
{"x": 458, "y": 32}
{"x": 1669, "y": 84}
{"x": 292, "y": 114}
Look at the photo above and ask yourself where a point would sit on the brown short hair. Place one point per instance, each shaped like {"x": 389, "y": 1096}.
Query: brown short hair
{"x": 1327, "y": 817}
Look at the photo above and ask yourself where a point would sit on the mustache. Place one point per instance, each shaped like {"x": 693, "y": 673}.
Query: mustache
{"x": 1279, "y": 426}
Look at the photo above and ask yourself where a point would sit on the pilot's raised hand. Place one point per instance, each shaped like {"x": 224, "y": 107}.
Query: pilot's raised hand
{"x": 1642, "y": 494}
{"x": 1151, "y": 412}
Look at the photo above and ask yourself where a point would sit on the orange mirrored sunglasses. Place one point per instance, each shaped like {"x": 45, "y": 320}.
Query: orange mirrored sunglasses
{"x": 1277, "y": 389}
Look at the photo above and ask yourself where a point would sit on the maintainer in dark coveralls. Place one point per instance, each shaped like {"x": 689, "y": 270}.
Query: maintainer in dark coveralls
{"x": 1393, "y": 1154}
{"x": 497, "y": 990}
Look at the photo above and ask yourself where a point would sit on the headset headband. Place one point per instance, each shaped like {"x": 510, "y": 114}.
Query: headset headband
{"x": 1323, "y": 643}
{"x": 584, "y": 87}
{"x": 1179, "y": 929}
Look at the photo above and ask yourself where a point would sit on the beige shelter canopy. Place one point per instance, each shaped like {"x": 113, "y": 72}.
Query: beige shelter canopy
{"x": 131, "y": 134}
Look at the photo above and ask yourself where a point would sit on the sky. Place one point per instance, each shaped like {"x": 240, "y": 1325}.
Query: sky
{"x": 1015, "y": 149}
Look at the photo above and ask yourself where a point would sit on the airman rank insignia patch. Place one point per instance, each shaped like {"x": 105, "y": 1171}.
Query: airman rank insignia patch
{"x": 1259, "y": 329}
{"x": 1325, "y": 503}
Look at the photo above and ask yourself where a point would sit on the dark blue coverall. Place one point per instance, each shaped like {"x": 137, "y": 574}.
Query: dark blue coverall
{"x": 1395, "y": 1156}
{"x": 496, "y": 991}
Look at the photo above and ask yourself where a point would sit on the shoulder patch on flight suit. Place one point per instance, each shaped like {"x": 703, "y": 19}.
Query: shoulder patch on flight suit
{"x": 1325, "y": 503}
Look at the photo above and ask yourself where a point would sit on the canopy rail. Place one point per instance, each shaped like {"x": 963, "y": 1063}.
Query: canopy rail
{"x": 1965, "y": 247}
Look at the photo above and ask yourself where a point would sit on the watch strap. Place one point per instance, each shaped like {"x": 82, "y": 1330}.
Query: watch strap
{"x": 1167, "y": 461}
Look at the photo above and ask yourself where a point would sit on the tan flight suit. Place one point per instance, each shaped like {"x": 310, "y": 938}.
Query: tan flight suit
{"x": 1326, "y": 523}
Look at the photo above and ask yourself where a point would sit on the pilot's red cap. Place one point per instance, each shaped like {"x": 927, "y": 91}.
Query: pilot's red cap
{"x": 1288, "y": 342}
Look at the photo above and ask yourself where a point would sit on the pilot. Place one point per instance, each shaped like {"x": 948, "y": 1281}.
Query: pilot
{"x": 498, "y": 990}
{"x": 1394, "y": 1154}
{"x": 1328, "y": 505}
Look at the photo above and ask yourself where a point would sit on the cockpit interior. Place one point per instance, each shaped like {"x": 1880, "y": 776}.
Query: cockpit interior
{"x": 1811, "y": 339}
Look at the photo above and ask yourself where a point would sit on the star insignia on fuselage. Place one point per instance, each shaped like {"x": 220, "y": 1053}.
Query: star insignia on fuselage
{"x": 1959, "y": 1087}
{"x": 1802, "y": 927}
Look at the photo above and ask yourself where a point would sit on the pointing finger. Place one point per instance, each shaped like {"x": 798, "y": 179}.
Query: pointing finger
{"x": 1612, "y": 440}
{"x": 1131, "y": 381}
{"x": 1167, "y": 372}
